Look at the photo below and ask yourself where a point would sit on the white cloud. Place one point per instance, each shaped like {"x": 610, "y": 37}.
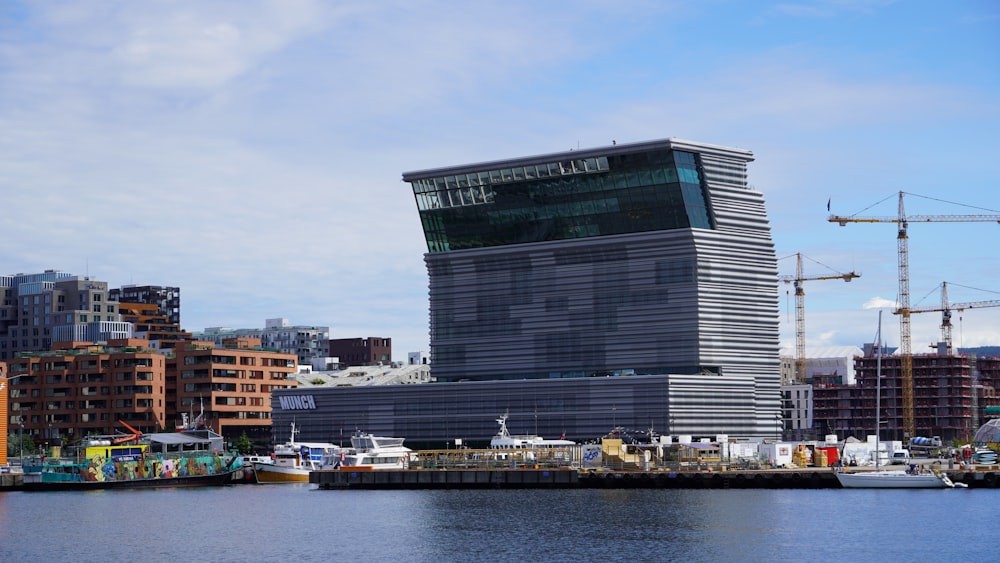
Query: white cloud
{"x": 880, "y": 303}
{"x": 251, "y": 152}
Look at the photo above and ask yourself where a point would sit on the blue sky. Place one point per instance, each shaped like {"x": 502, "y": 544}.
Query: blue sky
{"x": 251, "y": 151}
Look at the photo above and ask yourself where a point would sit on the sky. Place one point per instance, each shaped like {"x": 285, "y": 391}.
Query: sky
{"x": 250, "y": 152}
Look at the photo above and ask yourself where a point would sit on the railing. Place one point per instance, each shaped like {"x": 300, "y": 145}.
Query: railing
{"x": 493, "y": 459}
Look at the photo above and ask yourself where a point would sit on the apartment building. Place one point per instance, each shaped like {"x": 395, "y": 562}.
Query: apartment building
{"x": 949, "y": 395}
{"x": 68, "y": 394}
{"x": 166, "y": 299}
{"x": 371, "y": 351}
{"x": 228, "y": 388}
{"x": 308, "y": 343}
{"x": 149, "y": 322}
{"x": 64, "y": 395}
{"x": 37, "y": 310}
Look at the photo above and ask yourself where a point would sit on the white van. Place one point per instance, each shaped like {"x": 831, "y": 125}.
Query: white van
{"x": 900, "y": 457}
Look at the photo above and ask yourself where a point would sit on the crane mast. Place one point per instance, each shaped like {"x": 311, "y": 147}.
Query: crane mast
{"x": 800, "y": 311}
{"x": 905, "y": 355}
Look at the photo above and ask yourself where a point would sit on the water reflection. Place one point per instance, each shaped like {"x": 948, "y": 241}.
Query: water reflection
{"x": 299, "y": 523}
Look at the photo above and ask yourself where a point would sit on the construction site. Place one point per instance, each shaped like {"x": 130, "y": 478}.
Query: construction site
{"x": 942, "y": 394}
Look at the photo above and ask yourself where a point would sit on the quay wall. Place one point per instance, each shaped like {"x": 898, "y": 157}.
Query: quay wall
{"x": 555, "y": 478}
{"x": 816, "y": 478}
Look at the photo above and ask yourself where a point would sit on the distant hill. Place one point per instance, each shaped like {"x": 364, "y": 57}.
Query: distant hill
{"x": 982, "y": 351}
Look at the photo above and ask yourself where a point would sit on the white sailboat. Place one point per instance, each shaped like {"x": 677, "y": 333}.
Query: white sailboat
{"x": 913, "y": 478}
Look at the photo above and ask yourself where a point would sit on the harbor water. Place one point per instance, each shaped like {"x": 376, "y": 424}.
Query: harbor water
{"x": 301, "y": 523}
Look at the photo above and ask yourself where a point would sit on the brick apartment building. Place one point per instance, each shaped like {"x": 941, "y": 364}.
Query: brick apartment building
{"x": 149, "y": 322}
{"x": 87, "y": 390}
{"x": 371, "y": 351}
{"x": 84, "y": 389}
{"x": 232, "y": 384}
{"x": 949, "y": 395}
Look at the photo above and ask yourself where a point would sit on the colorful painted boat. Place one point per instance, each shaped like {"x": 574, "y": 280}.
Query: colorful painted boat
{"x": 176, "y": 459}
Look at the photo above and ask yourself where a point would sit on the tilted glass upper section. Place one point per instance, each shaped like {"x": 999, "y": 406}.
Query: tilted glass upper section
{"x": 651, "y": 190}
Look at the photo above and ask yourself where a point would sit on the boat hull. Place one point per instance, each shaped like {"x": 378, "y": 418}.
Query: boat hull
{"x": 269, "y": 473}
{"x": 229, "y": 477}
{"x": 893, "y": 480}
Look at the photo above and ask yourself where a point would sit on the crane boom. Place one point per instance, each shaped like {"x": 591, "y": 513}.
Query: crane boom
{"x": 946, "y": 308}
{"x": 843, "y": 221}
{"x": 905, "y": 355}
{"x": 800, "y": 311}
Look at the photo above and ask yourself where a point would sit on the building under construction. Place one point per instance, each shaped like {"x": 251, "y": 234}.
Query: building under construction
{"x": 950, "y": 394}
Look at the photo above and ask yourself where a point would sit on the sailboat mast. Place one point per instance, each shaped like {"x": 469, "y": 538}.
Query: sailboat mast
{"x": 878, "y": 389}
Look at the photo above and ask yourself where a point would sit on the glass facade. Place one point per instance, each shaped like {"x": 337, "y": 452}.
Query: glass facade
{"x": 563, "y": 200}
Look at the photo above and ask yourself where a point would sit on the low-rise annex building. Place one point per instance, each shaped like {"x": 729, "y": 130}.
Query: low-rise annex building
{"x": 358, "y": 376}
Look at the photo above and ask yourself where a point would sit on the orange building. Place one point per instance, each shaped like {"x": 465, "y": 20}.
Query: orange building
{"x": 86, "y": 389}
{"x": 68, "y": 394}
{"x": 231, "y": 386}
{"x": 4, "y": 416}
{"x": 153, "y": 325}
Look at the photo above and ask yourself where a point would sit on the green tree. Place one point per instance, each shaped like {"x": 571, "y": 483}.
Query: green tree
{"x": 27, "y": 445}
{"x": 243, "y": 444}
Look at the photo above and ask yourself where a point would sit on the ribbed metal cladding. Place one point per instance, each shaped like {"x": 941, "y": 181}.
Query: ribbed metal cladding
{"x": 695, "y": 301}
{"x": 582, "y": 409}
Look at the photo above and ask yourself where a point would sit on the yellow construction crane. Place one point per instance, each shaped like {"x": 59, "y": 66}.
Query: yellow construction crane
{"x": 946, "y": 308}
{"x": 800, "y": 311}
{"x": 905, "y": 354}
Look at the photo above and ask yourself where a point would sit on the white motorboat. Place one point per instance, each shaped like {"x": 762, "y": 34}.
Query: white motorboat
{"x": 294, "y": 460}
{"x": 371, "y": 452}
{"x": 915, "y": 477}
{"x": 504, "y": 440}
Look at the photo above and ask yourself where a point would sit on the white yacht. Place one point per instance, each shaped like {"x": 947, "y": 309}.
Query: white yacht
{"x": 371, "y": 452}
{"x": 504, "y": 440}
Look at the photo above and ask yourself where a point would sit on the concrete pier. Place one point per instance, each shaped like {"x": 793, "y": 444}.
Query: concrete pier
{"x": 568, "y": 478}
{"x": 10, "y": 481}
